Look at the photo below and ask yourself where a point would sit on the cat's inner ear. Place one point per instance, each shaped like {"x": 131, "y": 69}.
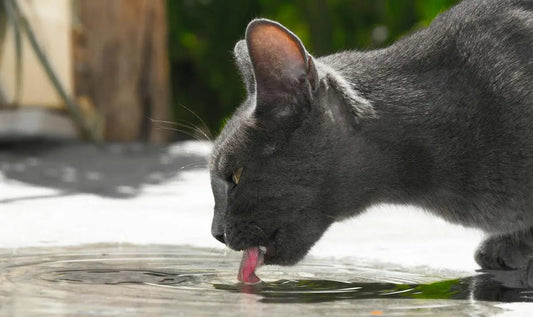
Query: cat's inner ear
{"x": 281, "y": 65}
{"x": 242, "y": 59}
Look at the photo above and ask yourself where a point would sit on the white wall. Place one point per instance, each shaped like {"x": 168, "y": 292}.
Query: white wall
{"x": 51, "y": 21}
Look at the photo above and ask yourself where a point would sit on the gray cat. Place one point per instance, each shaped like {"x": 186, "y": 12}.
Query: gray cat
{"x": 442, "y": 120}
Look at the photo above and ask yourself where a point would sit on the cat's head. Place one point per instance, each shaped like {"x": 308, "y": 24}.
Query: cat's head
{"x": 275, "y": 166}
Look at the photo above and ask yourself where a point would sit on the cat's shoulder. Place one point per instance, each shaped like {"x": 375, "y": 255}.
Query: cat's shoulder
{"x": 481, "y": 12}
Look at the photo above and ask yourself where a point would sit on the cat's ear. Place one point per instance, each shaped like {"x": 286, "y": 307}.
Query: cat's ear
{"x": 283, "y": 69}
{"x": 242, "y": 59}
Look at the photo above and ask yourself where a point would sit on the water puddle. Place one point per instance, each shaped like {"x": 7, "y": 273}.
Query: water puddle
{"x": 168, "y": 280}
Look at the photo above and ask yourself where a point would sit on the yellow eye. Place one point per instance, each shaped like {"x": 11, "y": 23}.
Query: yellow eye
{"x": 236, "y": 175}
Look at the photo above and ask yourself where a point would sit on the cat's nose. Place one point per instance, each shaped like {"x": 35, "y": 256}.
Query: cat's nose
{"x": 218, "y": 232}
{"x": 220, "y": 237}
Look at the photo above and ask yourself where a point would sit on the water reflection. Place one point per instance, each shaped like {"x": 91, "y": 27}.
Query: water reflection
{"x": 480, "y": 287}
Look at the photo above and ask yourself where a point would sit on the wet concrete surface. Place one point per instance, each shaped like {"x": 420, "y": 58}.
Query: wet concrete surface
{"x": 132, "y": 280}
{"x": 123, "y": 229}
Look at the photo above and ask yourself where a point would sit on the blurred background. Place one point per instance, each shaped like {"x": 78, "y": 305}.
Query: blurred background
{"x": 156, "y": 70}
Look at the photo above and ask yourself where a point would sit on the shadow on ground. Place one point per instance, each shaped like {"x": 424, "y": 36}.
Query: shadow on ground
{"x": 115, "y": 170}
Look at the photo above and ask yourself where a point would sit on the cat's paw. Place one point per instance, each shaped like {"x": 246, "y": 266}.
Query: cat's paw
{"x": 503, "y": 253}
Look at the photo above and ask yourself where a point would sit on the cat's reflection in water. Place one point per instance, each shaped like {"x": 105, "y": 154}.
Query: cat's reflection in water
{"x": 500, "y": 286}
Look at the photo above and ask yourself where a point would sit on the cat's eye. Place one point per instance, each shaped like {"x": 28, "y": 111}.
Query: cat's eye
{"x": 236, "y": 177}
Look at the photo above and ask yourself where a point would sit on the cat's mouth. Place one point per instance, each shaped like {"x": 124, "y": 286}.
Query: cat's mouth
{"x": 253, "y": 258}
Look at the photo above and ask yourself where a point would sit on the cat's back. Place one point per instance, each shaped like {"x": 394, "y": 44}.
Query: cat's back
{"x": 495, "y": 39}
{"x": 493, "y": 36}
{"x": 490, "y": 42}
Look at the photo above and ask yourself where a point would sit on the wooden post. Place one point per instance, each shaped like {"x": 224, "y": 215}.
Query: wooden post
{"x": 121, "y": 65}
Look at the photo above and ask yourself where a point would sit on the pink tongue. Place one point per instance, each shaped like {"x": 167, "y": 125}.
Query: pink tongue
{"x": 252, "y": 258}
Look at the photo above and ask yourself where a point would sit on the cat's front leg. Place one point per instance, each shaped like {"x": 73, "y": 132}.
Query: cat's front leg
{"x": 507, "y": 251}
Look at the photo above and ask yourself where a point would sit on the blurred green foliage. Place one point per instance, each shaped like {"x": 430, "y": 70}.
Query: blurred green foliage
{"x": 202, "y": 34}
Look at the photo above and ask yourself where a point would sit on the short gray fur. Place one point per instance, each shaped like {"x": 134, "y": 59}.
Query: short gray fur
{"x": 442, "y": 120}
